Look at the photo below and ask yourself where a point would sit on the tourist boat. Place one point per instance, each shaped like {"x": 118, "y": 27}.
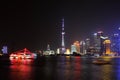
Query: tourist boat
{"x": 100, "y": 62}
{"x": 22, "y": 54}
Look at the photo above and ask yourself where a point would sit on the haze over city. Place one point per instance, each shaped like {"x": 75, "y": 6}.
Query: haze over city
{"x": 34, "y": 24}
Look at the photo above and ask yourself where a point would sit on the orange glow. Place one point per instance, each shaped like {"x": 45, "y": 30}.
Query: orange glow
{"x": 108, "y": 51}
{"x": 77, "y": 45}
{"x": 107, "y": 46}
{"x": 107, "y": 42}
{"x": 67, "y": 51}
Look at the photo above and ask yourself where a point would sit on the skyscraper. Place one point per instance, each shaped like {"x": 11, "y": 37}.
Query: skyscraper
{"x": 87, "y": 43}
{"x": 107, "y": 45}
{"x": 83, "y": 47}
{"x": 77, "y": 45}
{"x": 73, "y": 49}
{"x": 97, "y": 44}
{"x": 115, "y": 45}
{"x": 98, "y": 41}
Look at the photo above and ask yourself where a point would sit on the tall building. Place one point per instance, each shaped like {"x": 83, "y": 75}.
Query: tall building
{"x": 107, "y": 46}
{"x": 76, "y": 47}
{"x": 63, "y": 40}
{"x": 87, "y": 43}
{"x": 115, "y": 45}
{"x": 82, "y": 47}
{"x": 73, "y": 49}
{"x": 98, "y": 42}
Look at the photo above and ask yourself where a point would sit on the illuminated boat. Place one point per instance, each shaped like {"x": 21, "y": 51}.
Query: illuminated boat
{"x": 13, "y": 56}
{"x": 100, "y": 62}
{"x": 22, "y": 54}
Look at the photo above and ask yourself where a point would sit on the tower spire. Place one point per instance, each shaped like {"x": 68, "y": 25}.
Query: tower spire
{"x": 63, "y": 42}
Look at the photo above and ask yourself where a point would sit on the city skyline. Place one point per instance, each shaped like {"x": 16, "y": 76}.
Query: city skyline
{"x": 34, "y": 24}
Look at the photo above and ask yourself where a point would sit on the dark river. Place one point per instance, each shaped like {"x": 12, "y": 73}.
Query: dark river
{"x": 58, "y": 68}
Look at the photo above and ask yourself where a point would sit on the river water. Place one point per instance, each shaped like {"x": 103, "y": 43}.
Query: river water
{"x": 58, "y": 68}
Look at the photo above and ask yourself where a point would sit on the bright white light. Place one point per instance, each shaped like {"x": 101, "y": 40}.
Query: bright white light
{"x": 95, "y": 34}
{"x": 119, "y": 28}
{"x": 103, "y": 37}
{"x": 116, "y": 34}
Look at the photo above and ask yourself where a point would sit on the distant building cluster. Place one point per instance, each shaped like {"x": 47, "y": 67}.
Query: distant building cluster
{"x": 99, "y": 44}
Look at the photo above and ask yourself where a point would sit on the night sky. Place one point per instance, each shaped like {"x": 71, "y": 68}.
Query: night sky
{"x": 34, "y": 24}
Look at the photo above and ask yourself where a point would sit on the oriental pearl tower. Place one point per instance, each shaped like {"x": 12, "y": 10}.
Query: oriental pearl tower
{"x": 63, "y": 41}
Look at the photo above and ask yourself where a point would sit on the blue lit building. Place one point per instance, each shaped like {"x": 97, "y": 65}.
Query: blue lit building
{"x": 115, "y": 46}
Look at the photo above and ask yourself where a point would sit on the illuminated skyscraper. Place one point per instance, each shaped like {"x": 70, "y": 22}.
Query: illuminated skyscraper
{"x": 87, "y": 43}
{"x": 77, "y": 45}
{"x": 107, "y": 44}
{"x": 73, "y": 49}
{"x": 115, "y": 45}
{"x": 98, "y": 41}
{"x": 82, "y": 47}
{"x": 63, "y": 41}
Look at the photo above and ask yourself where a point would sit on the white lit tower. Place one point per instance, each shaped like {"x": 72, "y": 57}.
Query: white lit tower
{"x": 63, "y": 41}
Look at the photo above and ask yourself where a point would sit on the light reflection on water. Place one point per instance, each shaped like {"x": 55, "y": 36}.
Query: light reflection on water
{"x": 106, "y": 72}
{"x": 116, "y": 69}
{"x": 60, "y": 68}
{"x": 21, "y": 69}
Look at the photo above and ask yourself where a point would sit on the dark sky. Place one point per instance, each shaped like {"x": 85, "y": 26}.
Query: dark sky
{"x": 34, "y": 24}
